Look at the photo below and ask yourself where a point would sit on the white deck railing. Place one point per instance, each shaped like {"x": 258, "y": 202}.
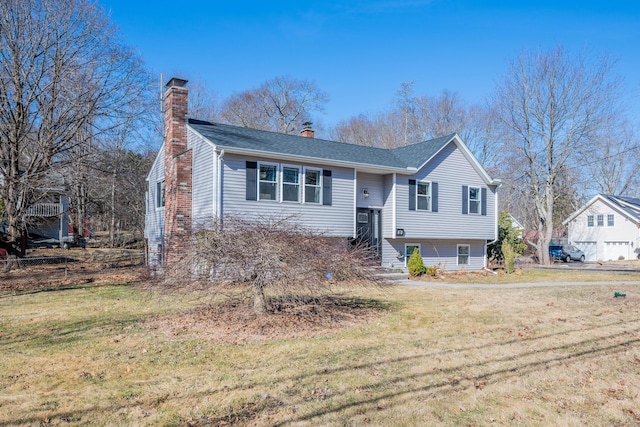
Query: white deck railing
{"x": 45, "y": 209}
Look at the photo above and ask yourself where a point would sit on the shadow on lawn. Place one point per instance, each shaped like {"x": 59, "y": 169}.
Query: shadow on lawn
{"x": 517, "y": 365}
{"x": 490, "y": 377}
{"x": 513, "y": 365}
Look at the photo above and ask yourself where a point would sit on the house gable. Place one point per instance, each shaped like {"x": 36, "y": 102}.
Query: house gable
{"x": 448, "y": 174}
{"x": 622, "y": 206}
{"x": 605, "y": 228}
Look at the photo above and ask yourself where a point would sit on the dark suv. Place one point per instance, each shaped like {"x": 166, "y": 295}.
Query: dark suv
{"x": 566, "y": 253}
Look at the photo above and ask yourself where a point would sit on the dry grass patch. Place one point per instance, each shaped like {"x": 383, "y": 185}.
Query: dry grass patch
{"x": 530, "y": 357}
{"x": 532, "y": 276}
{"x": 236, "y": 322}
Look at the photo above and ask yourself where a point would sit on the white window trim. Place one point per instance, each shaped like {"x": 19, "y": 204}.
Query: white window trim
{"x": 458, "y": 246}
{"x": 611, "y": 223}
{"x": 469, "y": 187}
{"x": 282, "y": 183}
{"x": 430, "y": 204}
{"x": 406, "y": 257}
{"x": 304, "y": 185}
{"x": 158, "y": 193}
{"x": 593, "y": 222}
{"x": 258, "y": 181}
{"x": 598, "y": 220}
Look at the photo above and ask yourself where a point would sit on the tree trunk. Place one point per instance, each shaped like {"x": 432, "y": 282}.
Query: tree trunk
{"x": 112, "y": 208}
{"x": 259, "y": 300}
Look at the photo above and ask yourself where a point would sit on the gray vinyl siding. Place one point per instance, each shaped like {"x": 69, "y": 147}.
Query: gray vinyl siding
{"x": 442, "y": 253}
{"x": 202, "y": 180}
{"x": 335, "y": 220}
{"x": 387, "y": 210}
{"x": 451, "y": 170}
{"x": 374, "y": 185}
{"x": 154, "y": 218}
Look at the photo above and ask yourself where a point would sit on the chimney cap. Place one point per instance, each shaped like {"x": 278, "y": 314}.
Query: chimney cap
{"x": 176, "y": 82}
{"x": 307, "y": 131}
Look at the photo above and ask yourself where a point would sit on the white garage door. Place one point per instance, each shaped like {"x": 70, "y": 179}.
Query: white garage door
{"x": 590, "y": 250}
{"x": 616, "y": 250}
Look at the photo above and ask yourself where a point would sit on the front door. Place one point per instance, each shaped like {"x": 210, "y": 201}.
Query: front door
{"x": 368, "y": 225}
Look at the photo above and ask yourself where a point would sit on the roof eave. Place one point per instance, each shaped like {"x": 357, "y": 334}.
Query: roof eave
{"x": 317, "y": 160}
{"x": 604, "y": 200}
{"x": 455, "y": 138}
{"x": 153, "y": 165}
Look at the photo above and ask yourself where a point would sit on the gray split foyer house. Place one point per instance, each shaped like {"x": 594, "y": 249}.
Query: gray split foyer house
{"x": 433, "y": 195}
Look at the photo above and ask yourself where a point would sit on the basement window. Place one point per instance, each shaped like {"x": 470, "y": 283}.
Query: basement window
{"x": 463, "y": 254}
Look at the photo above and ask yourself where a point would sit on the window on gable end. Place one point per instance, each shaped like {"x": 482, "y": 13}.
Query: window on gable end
{"x": 423, "y": 196}
{"x": 474, "y": 200}
{"x": 590, "y": 221}
{"x": 600, "y": 220}
{"x": 610, "y": 220}
{"x": 160, "y": 194}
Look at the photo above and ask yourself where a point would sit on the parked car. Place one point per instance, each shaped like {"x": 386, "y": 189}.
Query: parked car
{"x": 566, "y": 253}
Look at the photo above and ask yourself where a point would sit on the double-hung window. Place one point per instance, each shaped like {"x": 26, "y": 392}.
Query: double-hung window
{"x": 279, "y": 182}
{"x": 610, "y": 220}
{"x": 589, "y": 220}
{"x": 600, "y": 220}
{"x": 474, "y": 200}
{"x": 463, "y": 254}
{"x": 268, "y": 184}
{"x": 160, "y": 194}
{"x": 423, "y": 195}
{"x": 312, "y": 186}
{"x": 408, "y": 251}
{"x": 290, "y": 184}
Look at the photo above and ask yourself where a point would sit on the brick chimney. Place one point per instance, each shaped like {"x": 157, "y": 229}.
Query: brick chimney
{"x": 177, "y": 171}
{"x": 307, "y": 131}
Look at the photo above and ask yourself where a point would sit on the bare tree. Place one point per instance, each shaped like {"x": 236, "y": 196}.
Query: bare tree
{"x": 62, "y": 72}
{"x": 281, "y": 104}
{"x": 484, "y": 137}
{"x": 271, "y": 257}
{"x": 203, "y": 102}
{"x": 610, "y": 166}
{"x": 551, "y": 103}
{"x": 413, "y": 119}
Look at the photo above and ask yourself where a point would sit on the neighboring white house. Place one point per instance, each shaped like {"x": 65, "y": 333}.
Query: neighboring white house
{"x": 432, "y": 195}
{"x": 606, "y": 228}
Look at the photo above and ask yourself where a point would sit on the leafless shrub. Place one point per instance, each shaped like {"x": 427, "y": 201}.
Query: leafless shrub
{"x": 267, "y": 260}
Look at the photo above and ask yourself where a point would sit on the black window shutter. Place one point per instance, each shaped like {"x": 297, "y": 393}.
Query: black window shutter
{"x": 434, "y": 197}
{"x": 252, "y": 179}
{"x": 465, "y": 200}
{"x": 412, "y": 194}
{"x": 484, "y": 201}
{"x": 326, "y": 187}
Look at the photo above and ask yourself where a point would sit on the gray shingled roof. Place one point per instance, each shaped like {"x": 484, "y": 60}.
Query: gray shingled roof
{"x": 631, "y": 205}
{"x": 228, "y": 136}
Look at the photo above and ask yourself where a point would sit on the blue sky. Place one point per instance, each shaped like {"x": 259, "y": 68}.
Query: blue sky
{"x": 360, "y": 51}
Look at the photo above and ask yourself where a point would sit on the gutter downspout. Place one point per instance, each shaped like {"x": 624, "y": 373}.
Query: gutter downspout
{"x": 355, "y": 203}
{"x": 219, "y": 210}
{"x": 394, "y": 223}
{"x": 496, "y": 214}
